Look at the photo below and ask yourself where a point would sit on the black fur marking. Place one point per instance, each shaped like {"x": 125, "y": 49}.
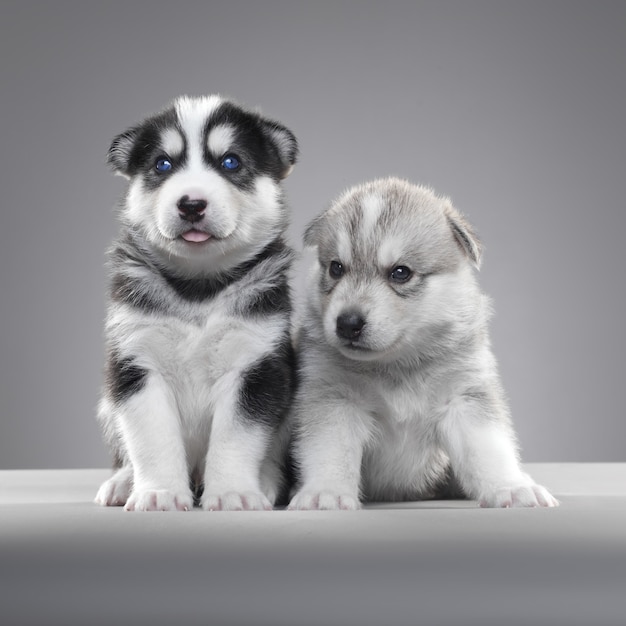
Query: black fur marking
{"x": 136, "y": 293}
{"x": 199, "y": 289}
{"x": 291, "y": 478}
{"x": 448, "y": 487}
{"x": 274, "y": 300}
{"x": 138, "y": 148}
{"x": 268, "y": 386}
{"x": 263, "y": 147}
{"x": 123, "y": 377}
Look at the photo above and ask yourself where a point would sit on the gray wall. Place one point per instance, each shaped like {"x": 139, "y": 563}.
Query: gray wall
{"x": 514, "y": 109}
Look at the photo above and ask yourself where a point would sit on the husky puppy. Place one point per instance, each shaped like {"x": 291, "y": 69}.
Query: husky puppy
{"x": 399, "y": 394}
{"x": 199, "y": 369}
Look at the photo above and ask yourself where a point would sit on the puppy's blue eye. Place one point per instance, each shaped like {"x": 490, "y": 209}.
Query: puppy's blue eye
{"x": 230, "y": 162}
{"x": 336, "y": 269}
{"x": 163, "y": 165}
{"x": 400, "y": 274}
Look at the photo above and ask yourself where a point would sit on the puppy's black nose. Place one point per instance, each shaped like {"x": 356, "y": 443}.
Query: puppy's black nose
{"x": 350, "y": 325}
{"x": 191, "y": 210}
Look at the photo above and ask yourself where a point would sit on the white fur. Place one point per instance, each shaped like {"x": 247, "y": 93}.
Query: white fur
{"x": 371, "y": 207}
{"x": 116, "y": 490}
{"x": 220, "y": 139}
{"x": 193, "y": 112}
{"x": 388, "y": 251}
{"x": 344, "y": 248}
{"x": 193, "y": 396}
{"x": 160, "y": 472}
{"x": 172, "y": 142}
{"x": 197, "y": 182}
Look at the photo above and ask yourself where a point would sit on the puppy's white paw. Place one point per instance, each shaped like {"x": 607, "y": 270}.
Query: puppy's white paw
{"x": 236, "y": 501}
{"x": 531, "y": 495}
{"x": 159, "y": 500}
{"x": 323, "y": 501}
{"x": 114, "y": 491}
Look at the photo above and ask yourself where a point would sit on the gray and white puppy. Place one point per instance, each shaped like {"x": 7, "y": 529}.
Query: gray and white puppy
{"x": 399, "y": 394}
{"x": 199, "y": 369}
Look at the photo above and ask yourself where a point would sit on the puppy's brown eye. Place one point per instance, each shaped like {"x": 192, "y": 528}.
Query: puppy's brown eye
{"x": 336, "y": 269}
{"x": 400, "y": 274}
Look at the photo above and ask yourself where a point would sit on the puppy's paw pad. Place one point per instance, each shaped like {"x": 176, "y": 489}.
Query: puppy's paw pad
{"x": 323, "y": 501}
{"x": 114, "y": 492}
{"x": 159, "y": 500}
{"x": 236, "y": 501}
{"x": 531, "y": 495}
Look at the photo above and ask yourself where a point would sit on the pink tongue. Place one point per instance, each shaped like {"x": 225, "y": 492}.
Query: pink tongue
{"x": 196, "y": 236}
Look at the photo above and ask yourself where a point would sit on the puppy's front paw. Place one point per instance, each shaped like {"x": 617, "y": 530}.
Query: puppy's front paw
{"x": 159, "y": 500}
{"x": 114, "y": 491}
{"x": 324, "y": 501}
{"x": 531, "y": 495}
{"x": 235, "y": 501}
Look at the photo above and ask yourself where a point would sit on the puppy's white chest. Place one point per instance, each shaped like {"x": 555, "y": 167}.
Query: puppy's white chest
{"x": 404, "y": 456}
{"x": 204, "y": 353}
{"x": 408, "y": 417}
{"x": 192, "y": 356}
{"x": 404, "y": 403}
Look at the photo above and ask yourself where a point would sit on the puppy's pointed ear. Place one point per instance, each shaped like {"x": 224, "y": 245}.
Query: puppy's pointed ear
{"x": 119, "y": 154}
{"x": 313, "y": 231}
{"x": 464, "y": 235}
{"x": 285, "y": 144}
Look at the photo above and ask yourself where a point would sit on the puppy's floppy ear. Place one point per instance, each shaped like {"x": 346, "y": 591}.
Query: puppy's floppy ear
{"x": 313, "y": 231}
{"x": 118, "y": 156}
{"x": 464, "y": 235}
{"x": 285, "y": 144}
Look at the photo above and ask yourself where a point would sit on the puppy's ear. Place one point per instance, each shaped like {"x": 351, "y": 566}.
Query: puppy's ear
{"x": 118, "y": 156}
{"x": 313, "y": 231}
{"x": 464, "y": 235}
{"x": 285, "y": 144}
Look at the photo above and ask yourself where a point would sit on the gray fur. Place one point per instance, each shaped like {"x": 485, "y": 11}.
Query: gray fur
{"x": 415, "y": 400}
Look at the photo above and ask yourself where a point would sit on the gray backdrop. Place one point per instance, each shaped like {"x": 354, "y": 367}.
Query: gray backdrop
{"x": 514, "y": 109}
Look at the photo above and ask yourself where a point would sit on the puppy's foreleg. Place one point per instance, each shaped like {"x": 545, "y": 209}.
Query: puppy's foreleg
{"x": 484, "y": 457}
{"x": 247, "y": 415}
{"x": 233, "y": 465}
{"x": 150, "y": 425}
{"x": 328, "y": 449}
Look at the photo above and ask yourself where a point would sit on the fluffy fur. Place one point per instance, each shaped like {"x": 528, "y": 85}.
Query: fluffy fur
{"x": 200, "y": 368}
{"x": 400, "y": 397}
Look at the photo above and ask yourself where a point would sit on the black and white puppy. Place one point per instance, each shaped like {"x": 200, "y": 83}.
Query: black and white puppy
{"x": 199, "y": 369}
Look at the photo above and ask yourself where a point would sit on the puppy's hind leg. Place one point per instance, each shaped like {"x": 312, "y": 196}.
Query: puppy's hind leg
{"x": 115, "y": 490}
{"x": 483, "y": 454}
